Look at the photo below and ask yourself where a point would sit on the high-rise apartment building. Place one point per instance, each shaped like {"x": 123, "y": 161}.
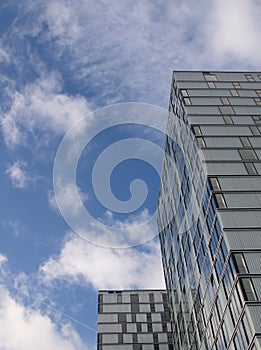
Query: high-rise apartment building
{"x": 209, "y": 213}
{"x": 134, "y": 320}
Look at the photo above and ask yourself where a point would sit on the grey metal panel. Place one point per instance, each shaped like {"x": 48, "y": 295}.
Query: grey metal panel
{"x": 198, "y": 119}
{"x": 188, "y": 76}
{"x": 251, "y": 110}
{"x": 195, "y": 85}
{"x": 239, "y": 101}
{"x": 225, "y": 130}
{"x": 221, "y": 154}
{"x": 222, "y": 142}
{"x": 221, "y": 85}
{"x": 209, "y": 92}
{"x": 254, "y": 312}
{"x": 225, "y": 169}
{"x": 241, "y": 240}
{"x": 241, "y": 218}
{"x": 231, "y": 76}
{"x": 205, "y": 101}
{"x": 206, "y": 110}
{"x": 251, "y": 85}
{"x": 253, "y": 259}
{"x": 240, "y": 183}
{"x": 243, "y": 200}
{"x": 246, "y": 93}
{"x": 242, "y": 119}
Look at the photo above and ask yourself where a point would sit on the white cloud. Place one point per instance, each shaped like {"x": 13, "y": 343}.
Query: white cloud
{"x": 80, "y": 261}
{"x": 41, "y": 106}
{"x": 67, "y": 197}
{"x": 233, "y": 31}
{"x": 22, "y": 328}
{"x": 19, "y": 175}
{"x": 3, "y": 259}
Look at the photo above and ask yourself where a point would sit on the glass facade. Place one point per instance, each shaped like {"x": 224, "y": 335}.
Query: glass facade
{"x": 209, "y": 212}
{"x": 134, "y": 320}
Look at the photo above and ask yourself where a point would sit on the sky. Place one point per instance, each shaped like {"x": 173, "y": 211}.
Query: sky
{"x": 79, "y": 80}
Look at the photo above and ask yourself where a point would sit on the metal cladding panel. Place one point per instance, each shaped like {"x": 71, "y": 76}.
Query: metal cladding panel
{"x": 221, "y": 154}
{"x": 119, "y": 347}
{"x": 243, "y": 200}
{"x": 240, "y": 183}
{"x": 205, "y": 101}
{"x": 242, "y": 119}
{"x": 246, "y": 93}
{"x": 189, "y": 76}
{"x": 192, "y": 85}
{"x": 251, "y": 110}
{"x": 205, "y": 110}
{"x": 240, "y": 240}
{"x": 242, "y": 101}
{"x": 198, "y": 119}
{"x": 209, "y": 92}
{"x": 226, "y": 130}
{"x": 240, "y": 218}
{"x": 226, "y": 169}
{"x": 254, "y": 311}
{"x": 253, "y": 260}
{"x": 222, "y": 142}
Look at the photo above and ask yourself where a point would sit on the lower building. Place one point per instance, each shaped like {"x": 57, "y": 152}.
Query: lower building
{"x": 134, "y": 320}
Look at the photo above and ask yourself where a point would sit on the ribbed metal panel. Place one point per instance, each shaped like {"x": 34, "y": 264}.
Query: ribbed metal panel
{"x": 240, "y": 183}
{"x": 254, "y": 311}
{"x": 243, "y": 200}
{"x": 222, "y": 142}
{"x": 223, "y": 154}
{"x": 240, "y": 218}
{"x": 226, "y": 169}
{"x": 226, "y": 130}
{"x": 253, "y": 260}
{"x": 242, "y": 239}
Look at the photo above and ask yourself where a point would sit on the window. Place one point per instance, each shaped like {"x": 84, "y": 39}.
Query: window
{"x": 184, "y": 93}
{"x": 234, "y": 93}
{"x": 187, "y": 101}
{"x": 211, "y": 85}
{"x": 257, "y": 119}
{"x": 255, "y": 130}
{"x": 228, "y": 119}
{"x": 201, "y": 142}
{"x": 225, "y": 101}
{"x": 248, "y": 289}
{"x": 249, "y": 77}
{"x": 237, "y": 85}
{"x": 210, "y": 76}
{"x": 250, "y": 168}
{"x": 245, "y": 141}
{"x": 214, "y": 183}
{"x": 122, "y": 318}
{"x": 226, "y": 110}
{"x": 221, "y": 203}
{"x": 247, "y": 154}
{"x": 196, "y": 130}
{"x": 257, "y": 101}
{"x": 240, "y": 263}
{"x": 120, "y": 338}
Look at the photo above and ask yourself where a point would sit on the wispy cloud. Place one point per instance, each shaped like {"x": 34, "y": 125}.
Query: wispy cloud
{"x": 28, "y": 329}
{"x": 41, "y": 106}
{"x": 82, "y": 262}
{"x": 19, "y": 174}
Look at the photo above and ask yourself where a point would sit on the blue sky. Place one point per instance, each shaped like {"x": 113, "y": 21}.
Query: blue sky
{"x": 60, "y": 61}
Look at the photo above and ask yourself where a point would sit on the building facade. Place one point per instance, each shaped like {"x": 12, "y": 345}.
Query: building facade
{"x": 209, "y": 213}
{"x": 134, "y": 320}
